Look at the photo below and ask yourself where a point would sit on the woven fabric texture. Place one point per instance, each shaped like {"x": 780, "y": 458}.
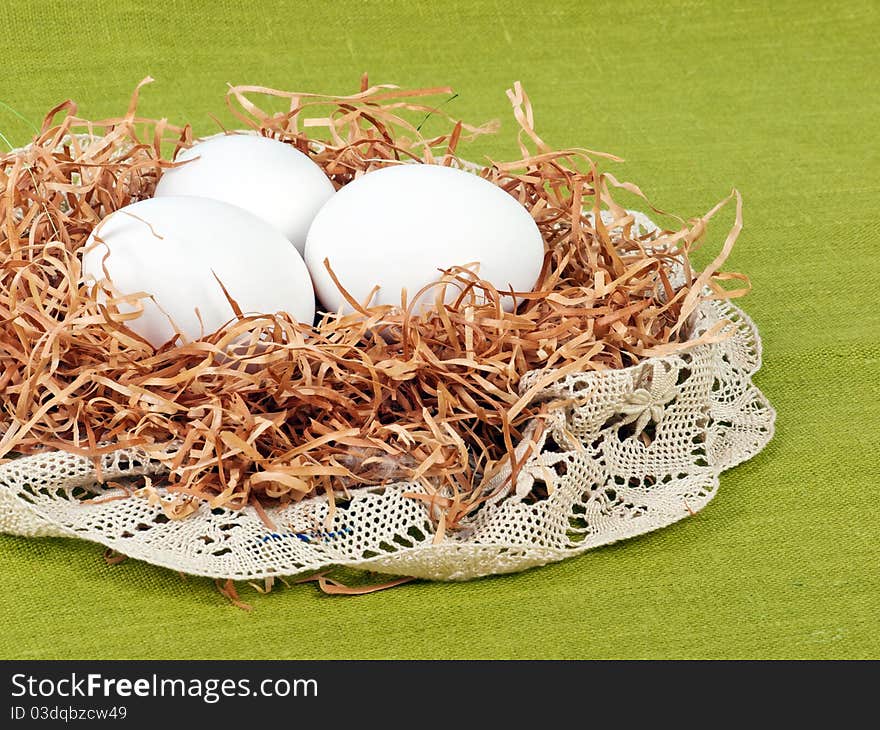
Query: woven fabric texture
{"x": 698, "y": 97}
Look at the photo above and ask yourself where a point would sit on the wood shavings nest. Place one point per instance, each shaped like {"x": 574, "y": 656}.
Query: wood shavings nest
{"x": 306, "y": 408}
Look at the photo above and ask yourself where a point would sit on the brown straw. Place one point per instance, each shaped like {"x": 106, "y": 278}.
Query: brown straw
{"x": 379, "y": 395}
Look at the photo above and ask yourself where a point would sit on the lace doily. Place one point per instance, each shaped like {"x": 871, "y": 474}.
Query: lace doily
{"x": 640, "y": 448}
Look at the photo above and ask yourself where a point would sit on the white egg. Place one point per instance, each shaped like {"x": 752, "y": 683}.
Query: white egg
{"x": 172, "y": 248}
{"x": 271, "y": 179}
{"x": 397, "y": 227}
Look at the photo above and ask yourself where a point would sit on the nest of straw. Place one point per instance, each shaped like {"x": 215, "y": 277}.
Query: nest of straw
{"x": 327, "y": 406}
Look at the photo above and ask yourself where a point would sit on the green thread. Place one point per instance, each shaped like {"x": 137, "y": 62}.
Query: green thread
{"x": 428, "y": 115}
{"x": 21, "y": 116}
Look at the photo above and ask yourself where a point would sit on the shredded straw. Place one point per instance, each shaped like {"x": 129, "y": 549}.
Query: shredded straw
{"x": 381, "y": 395}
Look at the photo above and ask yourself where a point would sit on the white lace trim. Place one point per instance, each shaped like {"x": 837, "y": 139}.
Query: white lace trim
{"x": 641, "y": 448}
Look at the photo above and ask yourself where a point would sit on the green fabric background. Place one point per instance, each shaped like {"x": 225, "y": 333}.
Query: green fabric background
{"x": 697, "y": 97}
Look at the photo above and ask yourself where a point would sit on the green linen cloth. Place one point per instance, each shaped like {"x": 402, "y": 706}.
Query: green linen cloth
{"x": 698, "y": 97}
